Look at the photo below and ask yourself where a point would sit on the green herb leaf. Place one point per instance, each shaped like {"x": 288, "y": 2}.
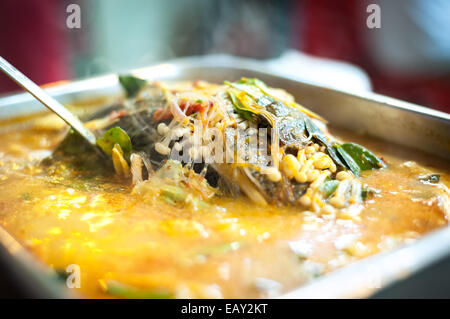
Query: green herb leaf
{"x": 365, "y": 159}
{"x": 114, "y": 136}
{"x": 239, "y": 107}
{"x": 118, "y": 289}
{"x": 367, "y": 192}
{"x": 173, "y": 193}
{"x": 131, "y": 84}
{"x": 252, "y": 90}
{"x": 358, "y": 158}
{"x": 348, "y": 160}
{"x": 329, "y": 187}
{"x": 252, "y": 81}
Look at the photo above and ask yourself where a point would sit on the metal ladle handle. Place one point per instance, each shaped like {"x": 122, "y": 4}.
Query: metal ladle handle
{"x": 47, "y": 100}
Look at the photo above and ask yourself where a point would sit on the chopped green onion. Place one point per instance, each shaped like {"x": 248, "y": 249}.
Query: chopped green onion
{"x": 114, "y": 136}
{"x": 131, "y": 84}
{"x": 118, "y": 289}
{"x": 329, "y": 187}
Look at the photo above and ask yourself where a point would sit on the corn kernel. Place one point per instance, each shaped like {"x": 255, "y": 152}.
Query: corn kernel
{"x": 343, "y": 175}
{"x": 305, "y": 200}
{"x": 301, "y": 177}
{"x": 338, "y": 201}
{"x": 290, "y": 165}
{"x": 312, "y": 175}
{"x": 328, "y": 209}
{"x": 273, "y": 174}
{"x": 333, "y": 167}
{"x": 301, "y": 156}
{"x": 310, "y": 150}
{"x": 323, "y": 162}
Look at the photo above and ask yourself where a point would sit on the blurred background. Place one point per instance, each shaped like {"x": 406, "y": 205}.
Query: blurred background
{"x": 407, "y": 58}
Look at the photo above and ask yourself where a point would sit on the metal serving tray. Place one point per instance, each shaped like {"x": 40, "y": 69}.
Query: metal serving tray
{"x": 379, "y": 116}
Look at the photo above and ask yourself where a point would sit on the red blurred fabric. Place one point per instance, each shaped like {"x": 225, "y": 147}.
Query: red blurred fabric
{"x": 33, "y": 39}
{"x": 333, "y": 29}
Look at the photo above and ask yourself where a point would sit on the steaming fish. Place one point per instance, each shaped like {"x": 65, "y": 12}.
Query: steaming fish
{"x": 203, "y": 140}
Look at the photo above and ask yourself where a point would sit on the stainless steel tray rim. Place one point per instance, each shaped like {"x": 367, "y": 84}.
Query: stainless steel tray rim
{"x": 172, "y": 67}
